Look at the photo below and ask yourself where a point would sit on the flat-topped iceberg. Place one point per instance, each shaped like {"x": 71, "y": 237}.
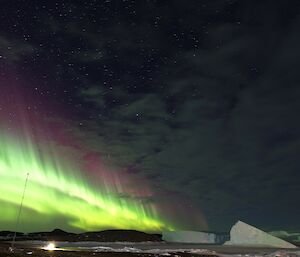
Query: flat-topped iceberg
{"x": 195, "y": 237}
{"x": 243, "y": 234}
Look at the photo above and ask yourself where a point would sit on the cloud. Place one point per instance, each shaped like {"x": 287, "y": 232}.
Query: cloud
{"x": 231, "y": 138}
{"x": 13, "y": 50}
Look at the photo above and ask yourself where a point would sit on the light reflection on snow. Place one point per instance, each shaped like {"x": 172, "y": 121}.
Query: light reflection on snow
{"x": 50, "y": 247}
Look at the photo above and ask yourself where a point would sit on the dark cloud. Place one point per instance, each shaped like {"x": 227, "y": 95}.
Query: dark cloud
{"x": 14, "y": 50}
{"x": 222, "y": 128}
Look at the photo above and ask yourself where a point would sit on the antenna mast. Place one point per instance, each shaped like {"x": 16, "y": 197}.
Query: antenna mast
{"x": 19, "y": 214}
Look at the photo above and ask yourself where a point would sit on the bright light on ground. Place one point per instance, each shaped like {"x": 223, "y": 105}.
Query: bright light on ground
{"x": 50, "y": 247}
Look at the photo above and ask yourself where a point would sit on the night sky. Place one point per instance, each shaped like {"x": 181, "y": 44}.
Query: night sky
{"x": 173, "y": 114}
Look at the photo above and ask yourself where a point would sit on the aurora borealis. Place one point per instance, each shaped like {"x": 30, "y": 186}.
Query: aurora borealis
{"x": 56, "y": 188}
{"x": 68, "y": 185}
{"x": 149, "y": 115}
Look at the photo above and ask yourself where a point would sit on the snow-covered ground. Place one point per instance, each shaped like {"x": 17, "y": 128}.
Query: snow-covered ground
{"x": 167, "y": 248}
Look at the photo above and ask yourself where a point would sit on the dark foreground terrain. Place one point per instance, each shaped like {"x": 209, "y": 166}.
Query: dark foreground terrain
{"x": 98, "y": 236}
{"x": 23, "y": 250}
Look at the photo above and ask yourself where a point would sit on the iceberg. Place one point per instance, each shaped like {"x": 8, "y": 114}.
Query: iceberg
{"x": 243, "y": 234}
{"x": 293, "y": 237}
{"x": 195, "y": 237}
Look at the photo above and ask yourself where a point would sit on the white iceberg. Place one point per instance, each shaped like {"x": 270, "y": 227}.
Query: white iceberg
{"x": 293, "y": 237}
{"x": 189, "y": 237}
{"x": 243, "y": 234}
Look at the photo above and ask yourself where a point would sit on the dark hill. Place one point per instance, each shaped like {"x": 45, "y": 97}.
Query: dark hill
{"x": 10, "y": 233}
{"x": 56, "y": 234}
{"x": 120, "y": 235}
{"x": 117, "y": 235}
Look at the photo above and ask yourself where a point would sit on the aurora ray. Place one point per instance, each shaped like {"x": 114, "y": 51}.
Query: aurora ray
{"x": 57, "y": 188}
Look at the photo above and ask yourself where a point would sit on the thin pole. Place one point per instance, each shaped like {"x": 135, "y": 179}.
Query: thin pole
{"x": 19, "y": 213}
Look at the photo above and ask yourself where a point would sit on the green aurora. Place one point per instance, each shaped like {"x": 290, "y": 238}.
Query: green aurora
{"x": 58, "y": 194}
